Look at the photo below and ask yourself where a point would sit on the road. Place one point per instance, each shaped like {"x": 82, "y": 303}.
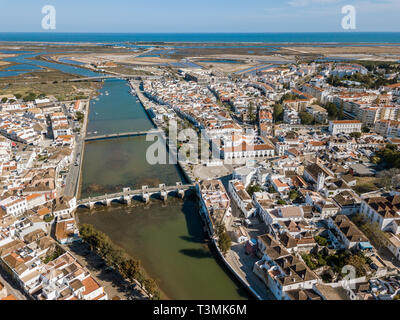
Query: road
{"x": 72, "y": 180}
{"x": 243, "y": 264}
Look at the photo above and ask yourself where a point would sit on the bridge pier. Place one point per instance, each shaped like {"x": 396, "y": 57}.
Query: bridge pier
{"x": 127, "y": 200}
{"x": 91, "y": 205}
{"x": 145, "y": 197}
{"x": 180, "y": 191}
{"x": 145, "y": 194}
{"x": 163, "y": 192}
{"x": 164, "y": 195}
{"x": 108, "y": 202}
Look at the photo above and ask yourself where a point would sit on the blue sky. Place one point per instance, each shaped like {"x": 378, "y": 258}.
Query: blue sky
{"x": 199, "y": 16}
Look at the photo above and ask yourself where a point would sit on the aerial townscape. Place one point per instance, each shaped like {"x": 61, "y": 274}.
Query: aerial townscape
{"x": 147, "y": 170}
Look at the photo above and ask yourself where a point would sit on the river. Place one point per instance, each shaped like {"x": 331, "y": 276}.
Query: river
{"x": 27, "y": 63}
{"x": 167, "y": 238}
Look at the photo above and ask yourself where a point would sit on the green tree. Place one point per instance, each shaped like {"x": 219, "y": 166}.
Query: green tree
{"x": 224, "y": 243}
{"x": 356, "y": 135}
{"x": 115, "y": 257}
{"x": 309, "y": 261}
{"x": 252, "y": 189}
{"x": 278, "y": 112}
{"x": 365, "y": 129}
{"x": 53, "y": 254}
{"x": 130, "y": 269}
{"x": 288, "y": 96}
{"x": 326, "y": 277}
{"x": 79, "y": 116}
{"x": 321, "y": 241}
{"x": 4, "y": 100}
{"x": 341, "y": 112}
{"x": 293, "y": 195}
{"x": 334, "y": 81}
{"x": 151, "y": 287}
{"x": 332, "y": 110}
{"x": 306, "y": 118}
{"x": 252, "y": 113}
{"x": 372, "y": 231}
{"x": 359, "y": 263}
{"x": 48, "y": 218}
{"x": 30, "y": 97}
{"x": 390, "y": 156}
{"x": 386, "y": 177}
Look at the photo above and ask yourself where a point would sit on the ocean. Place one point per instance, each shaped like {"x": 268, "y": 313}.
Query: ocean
{"x": 331, "y": 37}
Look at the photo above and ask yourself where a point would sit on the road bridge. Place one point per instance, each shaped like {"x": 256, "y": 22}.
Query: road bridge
{"x": 121, "y": 135}
{"x": 117, "y": 76}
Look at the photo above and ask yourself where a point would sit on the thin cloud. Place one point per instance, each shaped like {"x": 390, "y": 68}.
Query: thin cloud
{"x": 305, "y": 3}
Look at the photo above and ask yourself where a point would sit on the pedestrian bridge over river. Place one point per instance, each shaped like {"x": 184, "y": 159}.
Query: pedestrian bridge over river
{"x": 127, "y": 195}
{"x": 121, "y": 135}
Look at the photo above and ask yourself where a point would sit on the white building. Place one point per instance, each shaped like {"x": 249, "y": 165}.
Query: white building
{"x": 347, "y": 231}
{"x": 394, "y": 246}
{"x": 281, "y": 271}
{"x": 291, "y": 116}
{"x": 241, "y": 197}
{"x": 275, "y": 215}
{"x": 14, "y": 205}
{"x": 344, "y": 126}
{"x": 383, "y": 210}
{"x": 244, "y": 174}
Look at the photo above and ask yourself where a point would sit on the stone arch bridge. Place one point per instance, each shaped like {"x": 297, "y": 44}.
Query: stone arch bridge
{"x": 127, "y": 195}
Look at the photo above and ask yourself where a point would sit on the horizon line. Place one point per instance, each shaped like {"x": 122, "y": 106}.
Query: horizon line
{"x": 217, "y": 32}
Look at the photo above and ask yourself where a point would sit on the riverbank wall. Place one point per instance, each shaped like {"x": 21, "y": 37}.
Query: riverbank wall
{"x": 221, "y": 258}
{"x": 136, "y": 91}
{"x": 170, "y": 145}
{"x": 244, "y": 283}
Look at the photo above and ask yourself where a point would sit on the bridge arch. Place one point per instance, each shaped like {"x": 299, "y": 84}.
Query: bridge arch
{"x": 99, "y": 204}
{"x": 116, "y": 200}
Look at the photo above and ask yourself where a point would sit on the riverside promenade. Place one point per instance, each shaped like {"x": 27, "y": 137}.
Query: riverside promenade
{"x": 244, "y": 273}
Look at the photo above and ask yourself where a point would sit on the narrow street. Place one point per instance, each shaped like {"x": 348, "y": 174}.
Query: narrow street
{"x": 11, "y": 286}
{"x": 238, "y": 259}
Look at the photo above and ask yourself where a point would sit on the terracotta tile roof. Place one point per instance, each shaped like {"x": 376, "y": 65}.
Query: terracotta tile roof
{"x": 90, "y": 285}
